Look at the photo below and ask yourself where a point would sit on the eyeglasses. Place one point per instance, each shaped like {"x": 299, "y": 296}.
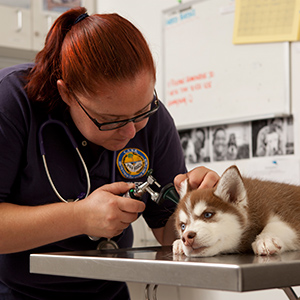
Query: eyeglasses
{"x": 118, "y": 124}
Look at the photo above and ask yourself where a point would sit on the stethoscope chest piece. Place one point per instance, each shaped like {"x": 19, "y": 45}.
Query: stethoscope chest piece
{"x": 107, "y": 245}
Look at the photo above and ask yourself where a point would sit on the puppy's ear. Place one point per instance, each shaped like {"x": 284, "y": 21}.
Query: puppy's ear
{"x": 231, "y": 187}
{"x": 184, "y": 188}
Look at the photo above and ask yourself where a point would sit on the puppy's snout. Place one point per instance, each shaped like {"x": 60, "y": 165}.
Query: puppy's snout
{"x": 188, "y": 238}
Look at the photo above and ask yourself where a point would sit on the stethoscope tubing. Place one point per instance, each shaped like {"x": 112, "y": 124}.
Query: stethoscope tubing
{"x": 74, "y": 144}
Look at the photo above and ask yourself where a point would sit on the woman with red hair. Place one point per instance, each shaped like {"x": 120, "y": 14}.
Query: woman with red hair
{"x": 78, "y": 128}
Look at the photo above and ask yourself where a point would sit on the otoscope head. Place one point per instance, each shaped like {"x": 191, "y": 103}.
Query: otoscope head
{"x": 168, "y": 192}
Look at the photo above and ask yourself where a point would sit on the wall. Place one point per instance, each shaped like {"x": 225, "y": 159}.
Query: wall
{"x": 147, "y": 16}
{"x": 150, "y": 23}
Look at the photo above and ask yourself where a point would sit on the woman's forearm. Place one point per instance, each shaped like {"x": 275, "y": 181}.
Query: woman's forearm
{"x": 166, "y": 235}
{"x": 27, "y": 227}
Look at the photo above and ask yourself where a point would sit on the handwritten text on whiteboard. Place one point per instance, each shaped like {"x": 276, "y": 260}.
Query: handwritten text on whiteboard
{"x": 181, "y": 90}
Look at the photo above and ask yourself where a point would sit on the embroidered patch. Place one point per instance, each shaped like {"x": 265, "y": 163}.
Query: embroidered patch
{"x": 132, "y": 163}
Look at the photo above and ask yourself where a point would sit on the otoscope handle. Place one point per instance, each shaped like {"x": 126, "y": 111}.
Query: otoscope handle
{"x": 132, "y": 195}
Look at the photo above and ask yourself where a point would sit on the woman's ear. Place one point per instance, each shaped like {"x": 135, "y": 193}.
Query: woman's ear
{"x": 64, "y": 92}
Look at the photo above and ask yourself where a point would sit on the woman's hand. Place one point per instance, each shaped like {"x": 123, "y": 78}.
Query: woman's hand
{"x": 106, "y": 214}
{"x": 199, "y": 177}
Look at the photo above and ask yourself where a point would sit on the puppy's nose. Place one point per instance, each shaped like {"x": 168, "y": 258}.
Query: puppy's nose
{"x": 188, "y": 238}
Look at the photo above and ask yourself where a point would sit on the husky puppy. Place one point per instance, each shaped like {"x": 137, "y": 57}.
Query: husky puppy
{"x": 238, "y": 215}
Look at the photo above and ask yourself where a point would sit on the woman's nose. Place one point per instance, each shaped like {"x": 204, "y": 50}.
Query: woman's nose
{"x": 129, "y": 130}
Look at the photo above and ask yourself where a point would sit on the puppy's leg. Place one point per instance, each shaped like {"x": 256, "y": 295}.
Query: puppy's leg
{"x": 178, "y": 247}
{"x": 276, "y": 237}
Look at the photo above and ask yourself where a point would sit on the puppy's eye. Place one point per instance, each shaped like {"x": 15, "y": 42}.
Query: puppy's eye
{"x": 182, "y": 226}
{"x": 208, "y": 215}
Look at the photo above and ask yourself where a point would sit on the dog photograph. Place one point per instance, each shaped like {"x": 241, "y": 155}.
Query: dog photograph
{"x": 231, "y": 142}
{"x": 272, "y": 137}
{"x": 195, "y": 145}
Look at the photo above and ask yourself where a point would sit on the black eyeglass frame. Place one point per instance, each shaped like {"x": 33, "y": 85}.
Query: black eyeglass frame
{"x": 124, "y": 122}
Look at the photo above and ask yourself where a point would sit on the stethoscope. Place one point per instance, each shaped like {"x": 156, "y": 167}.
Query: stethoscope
{"x": 105, "y": 244}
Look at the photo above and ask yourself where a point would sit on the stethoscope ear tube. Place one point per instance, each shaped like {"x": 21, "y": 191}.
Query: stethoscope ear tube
{"x": 51, "y": 181}
{"x": 63, "y": 126}
{"x": 74, "y": 144}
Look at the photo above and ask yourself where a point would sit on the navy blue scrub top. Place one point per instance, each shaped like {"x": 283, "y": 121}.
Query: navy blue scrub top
{"x": 23, "y": 181}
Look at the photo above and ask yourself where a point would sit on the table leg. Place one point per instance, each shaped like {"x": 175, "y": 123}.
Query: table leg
{"x": 154, "y": 292}
{"x": 147, "y": 292}
{"x": 290, "y": 293}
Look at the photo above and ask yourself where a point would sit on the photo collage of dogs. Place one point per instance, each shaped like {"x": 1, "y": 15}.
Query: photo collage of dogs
{"x": 268, "y": 137}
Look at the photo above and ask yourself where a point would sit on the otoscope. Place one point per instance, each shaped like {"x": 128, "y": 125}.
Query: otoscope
{"x": 168, "y": 192}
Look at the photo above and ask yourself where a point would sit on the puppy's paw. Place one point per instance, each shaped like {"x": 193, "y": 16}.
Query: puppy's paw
{"x": 267, "y": 245}
{"x": 178, "y": 247}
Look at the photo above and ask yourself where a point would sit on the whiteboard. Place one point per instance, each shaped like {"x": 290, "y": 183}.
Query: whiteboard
{"x": 208, "y": 80}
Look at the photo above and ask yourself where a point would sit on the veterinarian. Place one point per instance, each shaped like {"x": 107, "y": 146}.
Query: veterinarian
{"x": 77, "y": 128}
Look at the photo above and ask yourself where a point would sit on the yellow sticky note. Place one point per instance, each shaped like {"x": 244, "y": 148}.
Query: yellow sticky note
{"x": 259, "y": 21}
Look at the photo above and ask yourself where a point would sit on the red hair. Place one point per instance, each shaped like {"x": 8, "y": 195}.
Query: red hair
{"x": 100, "y": 49}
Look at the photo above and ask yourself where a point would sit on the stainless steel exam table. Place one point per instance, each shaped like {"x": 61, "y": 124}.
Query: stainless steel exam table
{"x": 156, "y": 265}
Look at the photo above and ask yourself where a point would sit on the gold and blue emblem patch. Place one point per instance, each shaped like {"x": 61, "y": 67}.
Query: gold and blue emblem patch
{"x": 132, "y": 163}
